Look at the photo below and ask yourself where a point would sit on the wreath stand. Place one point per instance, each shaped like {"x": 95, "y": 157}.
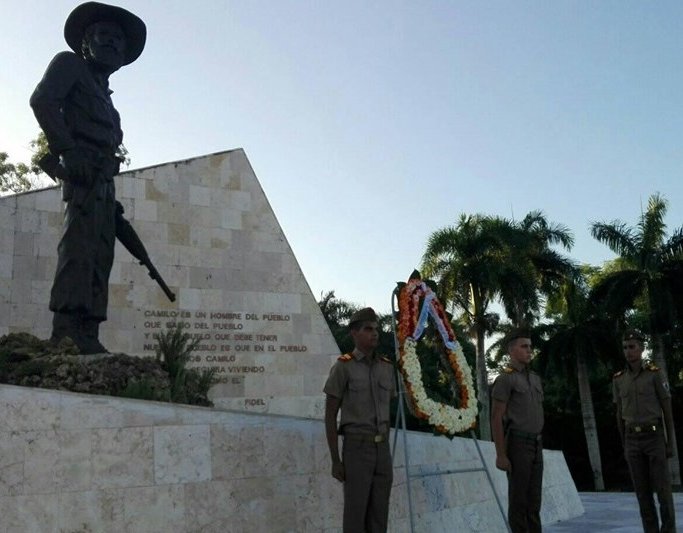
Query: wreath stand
{"x": 401, "y": 427}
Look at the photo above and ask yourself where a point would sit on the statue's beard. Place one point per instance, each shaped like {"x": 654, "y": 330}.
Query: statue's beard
{"x": 105, "y": 57}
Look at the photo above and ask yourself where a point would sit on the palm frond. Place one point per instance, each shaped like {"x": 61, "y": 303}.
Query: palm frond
{"x": 617, "y": 236}
{"x": 652, "y": 227}
{"x": 617, "y": 291}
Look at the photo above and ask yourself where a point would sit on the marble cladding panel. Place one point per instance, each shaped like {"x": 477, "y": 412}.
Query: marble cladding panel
{"x": 12, "y": 453}
{"x": 205, "y": 216}
{"x": 234, "y": 199}
{"x": 131, "y": 186}
{"x": 30, "y": 514}
{"x": 50, "y": 200}
{"x": 153, "y": 234}
{"x": 8, "y": 220}
{"x": 159, "y": 509}
{"x": 178, "y": 234}
{"x": 175, "y": 212}
{"x": 92, "y": 510}
{"x": 23, "y": 243}
{"x": 207, "y": 278}
{"x": 6, "y": 263}
{"x": 153, "y": 192}
{"x": 29, "y": 316}
{"x": 181, "y": 454}
{"x": 26, "y": 202}
{"x": 30, "y": 267}
{"x": 231, "y": 218}
{"x": 211, "y": 507}
{"x": 7, "y": 236}
{"x": 145, "y": 210}
{"x": 201, "y": 196}
{"x": 281, "y": 385}
{"x": 123, "y": 457}
{"x": 174, "y": 468}
{"x": 45, "y": 244}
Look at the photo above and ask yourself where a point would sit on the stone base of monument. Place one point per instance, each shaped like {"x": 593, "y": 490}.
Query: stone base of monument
{"x": 75, "y": 462}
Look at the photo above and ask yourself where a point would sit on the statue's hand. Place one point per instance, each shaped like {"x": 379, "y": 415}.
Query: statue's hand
{"x": 77, "y": 166}
{"x": 503, "y": 463}
{"x": 669, "y": 450}
{"x": 338, "y": 471}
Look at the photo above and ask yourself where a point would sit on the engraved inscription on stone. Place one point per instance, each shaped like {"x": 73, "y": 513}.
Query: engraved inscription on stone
{"x": 229, "y": 342}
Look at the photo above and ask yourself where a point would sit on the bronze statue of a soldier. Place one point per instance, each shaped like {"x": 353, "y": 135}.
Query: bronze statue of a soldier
{"x": 73, "y": 106}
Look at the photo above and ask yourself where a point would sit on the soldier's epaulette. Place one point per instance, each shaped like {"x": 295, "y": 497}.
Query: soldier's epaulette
{"x": 386, "y": 359}
{"x": 508, "y": 370}
{"x": 345, "y": 358}
{"x": 616, "y": 375}
{"x": 651, "y": 366}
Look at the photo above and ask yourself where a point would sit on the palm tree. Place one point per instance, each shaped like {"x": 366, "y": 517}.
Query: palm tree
{"x": 337, "y": 313}
{"x": 648, "y": 273}
{"x": 468, "y": 260}
{"x": 482, "y": 259}
{"x": 543, "y": 269}
{"x": 579, "y": 334}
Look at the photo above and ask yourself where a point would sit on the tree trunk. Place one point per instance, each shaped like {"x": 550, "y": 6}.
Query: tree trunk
{"x": 658, "y": 358}
{"x": 483, "y": 386}
{"x": 589, "y": 425}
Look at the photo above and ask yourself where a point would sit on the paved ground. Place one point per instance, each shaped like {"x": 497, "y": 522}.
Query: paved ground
{"x": 610, "y": 511}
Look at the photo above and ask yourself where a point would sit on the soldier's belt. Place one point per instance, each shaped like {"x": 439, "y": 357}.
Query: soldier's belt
{"x": 375, "y": 439}
{"x": 642, "y": 428}
{"x": 524, "y": 435}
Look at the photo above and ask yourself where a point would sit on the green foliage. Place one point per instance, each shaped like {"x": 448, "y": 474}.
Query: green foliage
{"x": 17, "y": 177}
{"x": 174, "y": 348}
{"x": 143, "y": 389}
{"x": 647, "y": 278}
{"x": 337, "y": 313}
{"x": 22, "y": 177}
{"x": 197, "y": 385}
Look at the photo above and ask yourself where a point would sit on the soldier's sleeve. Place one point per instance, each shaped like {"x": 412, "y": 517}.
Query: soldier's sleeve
{"x": 48, "y": 98}
{"x": 336, "y": 381}
{"x": 502, "y": 388}
{"x": 661, "y": 385}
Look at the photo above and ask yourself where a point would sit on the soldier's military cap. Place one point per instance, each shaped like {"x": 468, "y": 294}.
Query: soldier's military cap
{"x": 633, "y": 335}
{"x": 367, "y": 314}
{"x": 516, "y": 334}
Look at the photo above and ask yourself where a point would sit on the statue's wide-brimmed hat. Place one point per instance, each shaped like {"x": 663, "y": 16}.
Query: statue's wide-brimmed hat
{"x": 91, "y": 12}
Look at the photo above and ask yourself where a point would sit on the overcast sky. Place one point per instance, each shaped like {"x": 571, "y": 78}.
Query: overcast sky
{"x": 372, "y": 124}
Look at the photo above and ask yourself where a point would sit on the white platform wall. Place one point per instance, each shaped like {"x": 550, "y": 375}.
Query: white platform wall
{"x": 80, "y": 463}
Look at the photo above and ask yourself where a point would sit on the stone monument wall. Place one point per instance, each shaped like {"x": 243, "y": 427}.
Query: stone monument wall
{"x": 84, "y": 463}
{"x": 213, "y": 236}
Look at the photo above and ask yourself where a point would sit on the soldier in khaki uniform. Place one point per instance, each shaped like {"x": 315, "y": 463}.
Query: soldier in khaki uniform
{"x": 361, "y": 384}
{"x": 516, "y": 423}
{"x": 641, "y": 394}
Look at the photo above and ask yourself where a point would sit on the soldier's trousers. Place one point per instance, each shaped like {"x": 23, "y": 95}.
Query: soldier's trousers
{"x": 368, "y": 475}
{"x": 85, "y": 253}
{"x": 524, "y": 484}
{"x": 646, "y": 457}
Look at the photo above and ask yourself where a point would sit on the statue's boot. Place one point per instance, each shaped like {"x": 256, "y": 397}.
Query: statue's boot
{"x": 90, "y": 330}
{"x": 66, "y": 325}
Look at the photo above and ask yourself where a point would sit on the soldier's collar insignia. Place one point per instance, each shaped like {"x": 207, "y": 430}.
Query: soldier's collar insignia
{"x": 345, "y": 358}
{"x": 651, "y": 366}
{"x": 617, "y": 374}
{"x": 509, "y": 369}
{"x": 385, "y": 359}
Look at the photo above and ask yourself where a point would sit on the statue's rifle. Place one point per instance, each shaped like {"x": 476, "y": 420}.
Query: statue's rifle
{"x": 125, "y": 233}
